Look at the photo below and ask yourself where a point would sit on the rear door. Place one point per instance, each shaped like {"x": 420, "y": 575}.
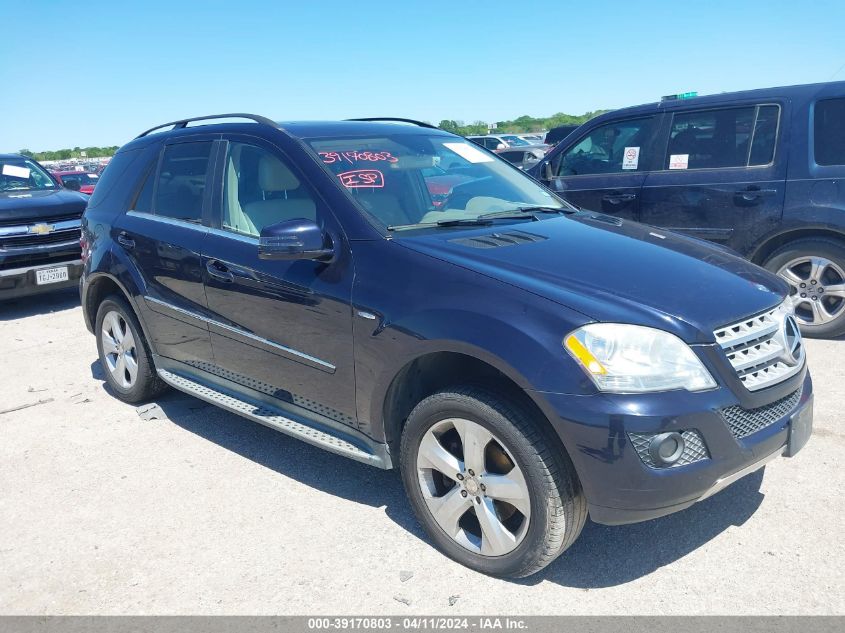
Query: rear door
{"x": 604, "y": 168}
{"x": 163, "y": 236}
{"x": 282, "y": 327}
{"x": 722, "y": 177}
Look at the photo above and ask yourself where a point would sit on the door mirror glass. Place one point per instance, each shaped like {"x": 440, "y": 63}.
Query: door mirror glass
{"x": 73, "y": 184}
{"x": 294, "y": 239}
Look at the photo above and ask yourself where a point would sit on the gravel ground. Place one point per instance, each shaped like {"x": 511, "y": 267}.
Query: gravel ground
{"x": 103, "y": 512}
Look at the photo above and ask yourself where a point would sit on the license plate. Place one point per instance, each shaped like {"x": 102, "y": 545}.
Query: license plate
{"x": 800, "y": 429}
{"x": 51, "y": 275}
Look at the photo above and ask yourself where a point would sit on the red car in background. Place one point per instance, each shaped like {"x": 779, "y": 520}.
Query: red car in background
{"x": 82, "y": 181}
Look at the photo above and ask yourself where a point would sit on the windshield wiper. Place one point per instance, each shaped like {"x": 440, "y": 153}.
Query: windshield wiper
{"x": 522, "y": 212}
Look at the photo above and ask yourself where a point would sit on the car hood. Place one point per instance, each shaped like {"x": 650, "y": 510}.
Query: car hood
{"x": 615, "y": 271}
{"x": 37, "y": 205}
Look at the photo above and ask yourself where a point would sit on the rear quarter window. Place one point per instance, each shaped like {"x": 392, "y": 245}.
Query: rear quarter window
{"x": 115, "y": 172}
{"x": 829, "y": 132}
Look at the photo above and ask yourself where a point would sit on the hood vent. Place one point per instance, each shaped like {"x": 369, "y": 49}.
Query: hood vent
{"x": 498, "y": 239}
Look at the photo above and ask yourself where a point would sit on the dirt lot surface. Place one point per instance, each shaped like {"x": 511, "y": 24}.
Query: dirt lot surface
{"x": 102, "y": 511}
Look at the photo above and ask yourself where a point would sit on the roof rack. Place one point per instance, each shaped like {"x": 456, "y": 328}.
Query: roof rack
{"x": 398, "y": 119}
{"x": 182, "y": 123}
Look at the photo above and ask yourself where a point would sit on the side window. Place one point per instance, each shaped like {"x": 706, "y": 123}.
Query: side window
{"x": 728, "y": 137}
{"x": 144, "y": 200}
{"x": 182, "y": 180}
{"x": 513, "y": 157}
{"x": 260, "y": 190}
{"x": 829, "y": 132}
{"x": 610, "y": 148}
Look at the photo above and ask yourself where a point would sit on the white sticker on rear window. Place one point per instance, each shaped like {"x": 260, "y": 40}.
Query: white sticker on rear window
{"x": 631, "y": 158}
{"x": 15, "y": 171}
{"x": 678, "y": 161}
{"x": 468, "y": 152}
{"x": 93, "y": 176}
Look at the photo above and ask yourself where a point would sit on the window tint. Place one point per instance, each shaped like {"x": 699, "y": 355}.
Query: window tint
{"x": 117, "y": 168}
{"x": 765, "y": 134}
{"x": 144, "y": 201}
{"x": 723, "y": 138}
{"x": 260, "y": 190}
{"x": 603, "y": 150}
{"x": 181, "y": 181}
{"x": 829, "y": 132}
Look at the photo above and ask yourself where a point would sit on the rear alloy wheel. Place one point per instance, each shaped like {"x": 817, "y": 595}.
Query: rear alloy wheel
{"x": 490, "y": 484}
{"x": 815, "y": 272}
{"x": 124, "y": 353}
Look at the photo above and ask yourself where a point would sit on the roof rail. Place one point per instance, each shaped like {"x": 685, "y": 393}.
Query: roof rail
{"x": 398, "y": 119}
{"x": 177, "y": 125}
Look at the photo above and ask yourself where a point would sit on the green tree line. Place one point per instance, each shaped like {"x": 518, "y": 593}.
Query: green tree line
{"x": 76, "y": 152}
{"x": 520, "y": 125}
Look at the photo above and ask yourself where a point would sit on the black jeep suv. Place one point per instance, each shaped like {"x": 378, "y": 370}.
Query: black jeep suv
{"x": 511, "y": 356}
{"x": 39, "y": 229}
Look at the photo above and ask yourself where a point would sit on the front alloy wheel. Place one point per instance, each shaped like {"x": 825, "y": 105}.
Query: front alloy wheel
{"x": 489, "y": 481}
{"x": 473, "y": 488}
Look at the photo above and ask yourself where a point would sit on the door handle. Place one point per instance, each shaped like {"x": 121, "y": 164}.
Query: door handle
{"x": 619, "y": 198}
{"x": 125, "y": 241}
{"x": 219, "y": 271}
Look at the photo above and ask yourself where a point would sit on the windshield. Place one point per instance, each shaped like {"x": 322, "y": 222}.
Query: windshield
{"x": 412, "y": 181}
{"x": 20, "y": 174}
{"x": 514, "y": 141}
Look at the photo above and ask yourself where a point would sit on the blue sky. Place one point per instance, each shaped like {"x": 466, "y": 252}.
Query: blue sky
{"x": 96, "y": 73}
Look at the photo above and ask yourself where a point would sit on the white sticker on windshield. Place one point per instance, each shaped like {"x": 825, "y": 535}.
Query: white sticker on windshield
{"x": 468, "y": 152}
{"x": 678, "y": 161}
{"x": 15, "y": 171}
{"x": 93, "y": 176}
{"x": 631, "y": 158}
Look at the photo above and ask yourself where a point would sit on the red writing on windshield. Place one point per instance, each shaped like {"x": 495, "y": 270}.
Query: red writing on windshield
{"x": 362, "y": 178}
{"x": 354, "y": 156}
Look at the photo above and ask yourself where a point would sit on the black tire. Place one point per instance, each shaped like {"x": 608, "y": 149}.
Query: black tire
{"x": 829, "y": 249}
{"x": 147, "y": 384}
{"x": 558, "y": 509}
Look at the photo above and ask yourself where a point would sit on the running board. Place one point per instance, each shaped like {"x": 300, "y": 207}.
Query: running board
{"x": 274, "y": 418}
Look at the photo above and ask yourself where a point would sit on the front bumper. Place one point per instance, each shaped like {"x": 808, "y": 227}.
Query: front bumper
{"x": 22, "y": 281}
{"x": 621, "y": 488}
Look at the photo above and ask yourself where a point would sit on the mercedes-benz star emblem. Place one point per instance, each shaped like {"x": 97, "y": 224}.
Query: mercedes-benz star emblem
{"x": 792, "y": 338}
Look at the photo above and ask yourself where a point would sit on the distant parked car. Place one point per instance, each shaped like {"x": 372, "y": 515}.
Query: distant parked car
{"x": 759, "y": 171}
{"x": 498, "y": 141}
{"x": 524, "y": 157}
{"x": 534, "y": 139}
{"x": 82, "y": 181}
{"x": 557, "y": 134}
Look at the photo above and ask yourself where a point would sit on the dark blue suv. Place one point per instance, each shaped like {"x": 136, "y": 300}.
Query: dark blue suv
{"x": 522, "y": 363}
{"x": 760, "y": 171}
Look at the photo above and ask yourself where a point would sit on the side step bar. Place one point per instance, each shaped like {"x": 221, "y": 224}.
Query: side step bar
{"x": 273, "y": 418}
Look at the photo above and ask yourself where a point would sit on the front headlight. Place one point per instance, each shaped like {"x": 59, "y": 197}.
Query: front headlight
{"x": 634, "y": 359}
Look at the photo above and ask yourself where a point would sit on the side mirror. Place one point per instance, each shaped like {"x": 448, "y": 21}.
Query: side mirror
{"x": 73, "y": 185}
{"x": 294, "y": 239}
{"x": 501, "y": 146}
{"x": 547, "y": 171}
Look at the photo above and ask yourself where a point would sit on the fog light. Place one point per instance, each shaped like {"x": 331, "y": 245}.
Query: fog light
{"x": 666, "y": 448}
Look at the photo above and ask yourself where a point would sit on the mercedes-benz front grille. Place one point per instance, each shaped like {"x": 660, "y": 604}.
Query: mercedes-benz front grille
{"x": 764, "y": 350}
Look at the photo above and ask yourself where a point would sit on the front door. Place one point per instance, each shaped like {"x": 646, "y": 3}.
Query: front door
{"x": 604, "y": 169}
{"x": 163, "y": 235}
{"x": 281, "y": 327}
{"x": 721, "y": 178}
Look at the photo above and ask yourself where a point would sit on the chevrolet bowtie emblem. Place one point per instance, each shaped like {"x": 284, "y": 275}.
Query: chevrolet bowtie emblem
{"x": 41, "y": 229}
